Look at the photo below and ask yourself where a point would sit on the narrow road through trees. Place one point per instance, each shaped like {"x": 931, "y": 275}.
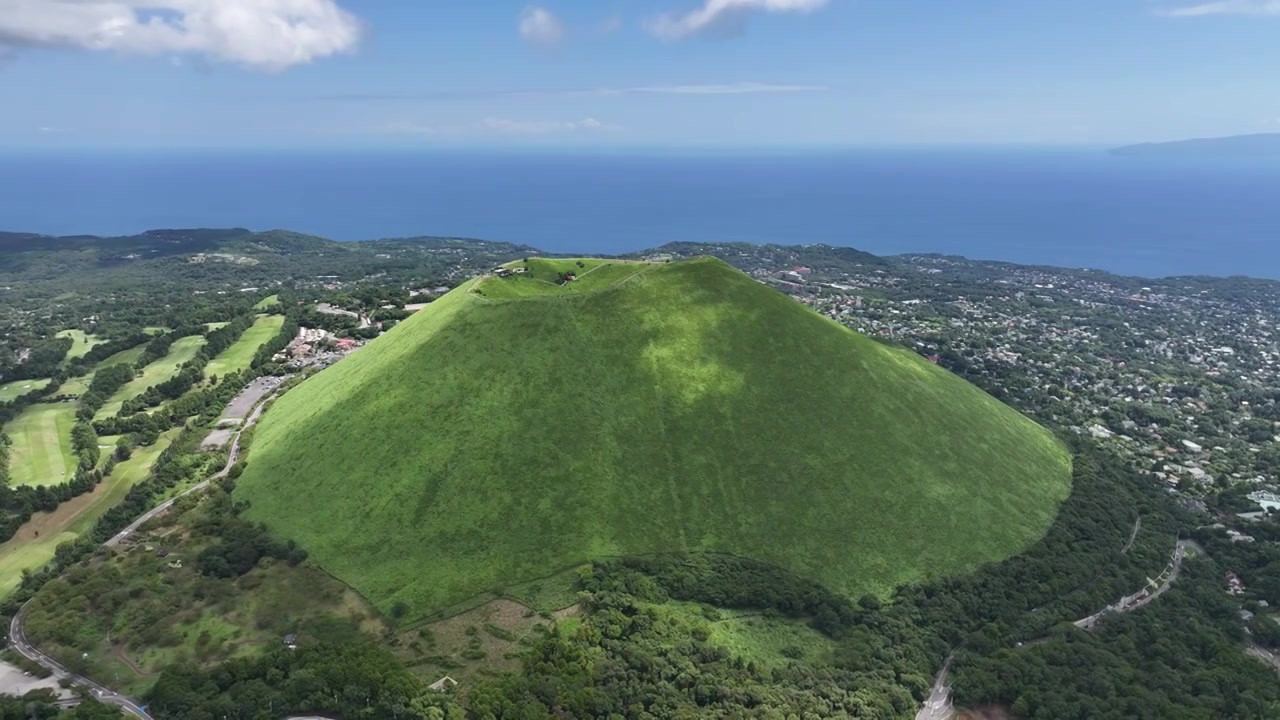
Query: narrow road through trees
{"x": 938, "y": 705}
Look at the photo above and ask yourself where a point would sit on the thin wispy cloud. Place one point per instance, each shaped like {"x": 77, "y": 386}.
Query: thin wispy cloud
{"x": 727, "y": 89}
{"x": 722, "y": 14}
{"x": 266, "y": 34}
{"x": 538, "y": 26}
{"x": 495, "y": 126}
{"x": 740, "y": 88}
{"x": 507, "y": 126}
{"x": 1225, "y": 7}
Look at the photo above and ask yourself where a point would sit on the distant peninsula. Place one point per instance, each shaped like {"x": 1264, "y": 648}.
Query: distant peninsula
{"x": 1234, "y": 146}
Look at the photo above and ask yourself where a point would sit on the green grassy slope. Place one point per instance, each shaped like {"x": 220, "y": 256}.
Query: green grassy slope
{"x": 240, "y": 355}
{"x": 41, "y": 453}
{"x": 182, "y": 351}
{"x": 482, "y": 442}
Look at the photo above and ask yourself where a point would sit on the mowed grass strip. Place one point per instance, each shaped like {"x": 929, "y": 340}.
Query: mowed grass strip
{"x": 82, "y": 343}
{"x": 41, "y": 452}
{"x": 35, "y": 542}
{"x": 687, "y": 408}
{"x": 182, "y": 350}
{"x": 240, "y": 355}
{"x": 13, "y": 390}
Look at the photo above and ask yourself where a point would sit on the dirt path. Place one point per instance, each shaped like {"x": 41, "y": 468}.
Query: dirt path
{"x": 1137, "y": 525}
{"x": 119, "y": 654}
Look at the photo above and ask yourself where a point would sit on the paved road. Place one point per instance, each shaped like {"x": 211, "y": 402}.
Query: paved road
{"x": 17, "y": 633}
{"x": 163, "y": 507}
{"x": 1263, "y": 654}
{"x": 938, "y": 705}
{"x": 1143, "y": 597}
{"x": 18, "y": 641}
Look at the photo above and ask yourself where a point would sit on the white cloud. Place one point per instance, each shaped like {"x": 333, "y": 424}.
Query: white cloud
{"x": 408, "y": 127}
{"x": 542, "y": 127}
{"x": 1226, "y": 7}
{"x": 538, "y": 26}
{"x": 267, "y": 34}
{"x": 715, "y": 13}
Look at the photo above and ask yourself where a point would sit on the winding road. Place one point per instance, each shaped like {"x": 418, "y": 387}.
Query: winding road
{"x": 1143, "y": 597}
{"x": 18, "y": 635}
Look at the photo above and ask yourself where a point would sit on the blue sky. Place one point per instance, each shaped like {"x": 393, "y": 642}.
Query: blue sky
{"x": 623, "y": 73}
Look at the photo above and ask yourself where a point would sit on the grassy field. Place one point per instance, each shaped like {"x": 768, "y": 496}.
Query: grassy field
{"x": 36, "y": 541}
{"x": 768, "y": 641}
{"x": 183, "y": 349}
{"x": 240, "y": 355}
{"x": 483, "y": 443}
{"x": 83, "y": 343}
{"x": 10, "y": 391}
{"x": 267, "y": 302}
{"x": 41, "y": 453}
{"x": 543, "y": 275}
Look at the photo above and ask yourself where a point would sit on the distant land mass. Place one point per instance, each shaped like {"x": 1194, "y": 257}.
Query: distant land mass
{"x": 1233, "y": 146}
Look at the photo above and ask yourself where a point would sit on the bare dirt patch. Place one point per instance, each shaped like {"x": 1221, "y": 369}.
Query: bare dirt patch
{"x": 217, "y": 438}
{"x": 571, "y": 611}
{"x": 483, "y": 641}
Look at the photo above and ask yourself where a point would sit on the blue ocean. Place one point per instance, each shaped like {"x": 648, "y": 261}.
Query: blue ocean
{"x": 1075, "y": 208}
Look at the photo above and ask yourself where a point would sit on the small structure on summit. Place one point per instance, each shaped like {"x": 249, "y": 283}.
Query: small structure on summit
{"x": 443, "y": 684}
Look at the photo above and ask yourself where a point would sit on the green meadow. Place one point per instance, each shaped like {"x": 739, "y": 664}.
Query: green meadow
{"x": 496, "y": 439}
